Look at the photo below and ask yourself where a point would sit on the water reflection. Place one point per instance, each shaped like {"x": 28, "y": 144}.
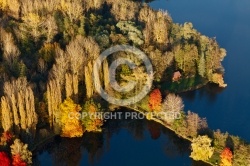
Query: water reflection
{"x": 210, "y": 92}
{"x": 148, "y": 137}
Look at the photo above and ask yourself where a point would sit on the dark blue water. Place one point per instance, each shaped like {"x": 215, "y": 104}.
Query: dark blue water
{"x": 229, "y": 22}
{"x": 228, "y": 109}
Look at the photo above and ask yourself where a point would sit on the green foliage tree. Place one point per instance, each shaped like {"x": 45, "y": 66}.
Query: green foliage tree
{"x": 241, "y": 155}
{"x": 202, "y": 66}
{"x": 129, "y": 28}
{"x": 186, "y": 58}
{"x": 93, "y": 119}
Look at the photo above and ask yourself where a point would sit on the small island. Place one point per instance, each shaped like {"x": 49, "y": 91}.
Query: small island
{"x": 48, "y": 52}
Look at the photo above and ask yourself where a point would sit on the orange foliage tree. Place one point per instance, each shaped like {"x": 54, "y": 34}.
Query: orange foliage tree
{"x": 155, "y": 99}
{"x": 71, "y": 126}
{"x": 17, "y": 161}
{"x": 4, "y": 159}
{"x": 226, "y": 157}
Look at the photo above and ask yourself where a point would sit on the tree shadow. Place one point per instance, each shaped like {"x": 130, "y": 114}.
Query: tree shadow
{"x": 230, "y": 143}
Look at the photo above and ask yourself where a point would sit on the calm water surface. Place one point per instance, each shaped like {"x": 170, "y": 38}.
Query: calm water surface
{"x": 144, "y": 143}
{"x": 229, "y": 22}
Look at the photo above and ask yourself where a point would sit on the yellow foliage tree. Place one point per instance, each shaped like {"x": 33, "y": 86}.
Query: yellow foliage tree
{"x": 218, "y": 79}
{"x": 21, "y": 149}
{"x": 71, "y": 126}
{"x": 201, "y": 148}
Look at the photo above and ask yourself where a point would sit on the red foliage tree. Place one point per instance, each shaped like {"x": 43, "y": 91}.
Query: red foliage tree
{"x": 226, "y": 157}
{"x": 4, "y": 159}
{"x": 155, "y": 99}
{"x": 7, "y": 136}
{"x": 17, "y": 161}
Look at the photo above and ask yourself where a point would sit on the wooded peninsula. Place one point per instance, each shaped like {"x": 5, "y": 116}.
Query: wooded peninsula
{"x": 47, "y": 52}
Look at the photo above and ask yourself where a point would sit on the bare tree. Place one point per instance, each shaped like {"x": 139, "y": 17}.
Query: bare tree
{"x": 51, "y": 27}
{"x": 92, "y": 4}
{"x": 123, "y": 10}
{"x": 77, "y": 57}
{"x": 157, "y": 25}
{"x": 172, "y": 103}
{"x": 172, "y": 106}
{"x": 50, "y": 5}
{"x": 11, "y": 52}
{"x": 195, "y": 124}
{"x": 60, "y": 67}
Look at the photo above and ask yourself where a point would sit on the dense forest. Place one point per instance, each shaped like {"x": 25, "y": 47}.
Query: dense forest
{"x": 47, "y": 52}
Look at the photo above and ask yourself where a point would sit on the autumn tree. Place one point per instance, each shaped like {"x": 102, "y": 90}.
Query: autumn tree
{"x": 17, "y": 161}
{"x": 195, "y": 124}
{"x": 72, "y": 9}
{"x": 71, "y": 126}
{"x": 4, "y": 159}
{"x": 20, "y": 151}
{"x": 77, "y": 57}
{"x": 51, "y": 28}
{"x": 11, "y": 7}
{"x": 186, "y": 58}
{"x": 93, "y": 119}
{"x": 81, "y": 54}
{"x": 220, "y": 139}
{"x": 202, "y": 66}
{"x": 160, "y": 27}
{"x": 241, "y": 155}
{"x": 10, "y": 50}
{"x": 33, "y": 20}
{"x": 155, "y": 99}
{"x": 172, "y": 104}
{"x": 156, "y": 25}
{"x": 91, "y": 51}
{"x": 123, "y": 10}
{"x": 92, "y": 4}
{"x": 6, "y": 136}
{"x": 218, "y": 79}
{"x": 129, "y": 29}
{"x": 146, "y": 15}
{"x": 213, "y": 55}
{"x": 160, "y": 61}
{"x": 201, "y": 148}
{"x": 226, "y": 157}
{"x": 54, "y": 99}
{"x": 70, "y": 67}
{"x": 188, "y": 31}
{"x": 18, "y": 105}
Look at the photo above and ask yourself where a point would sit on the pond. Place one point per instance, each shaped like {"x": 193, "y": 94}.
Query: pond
{"x": 145, "y": 143}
